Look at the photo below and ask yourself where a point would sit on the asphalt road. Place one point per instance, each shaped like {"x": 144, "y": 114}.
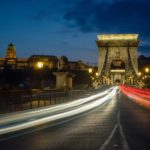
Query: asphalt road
{"x": 135, "y": 120}
{"x": 117, "y": 124}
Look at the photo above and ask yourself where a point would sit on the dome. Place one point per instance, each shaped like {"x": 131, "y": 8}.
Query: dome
{"x": 11, "y": 47}
{"x": 11, "y": 51}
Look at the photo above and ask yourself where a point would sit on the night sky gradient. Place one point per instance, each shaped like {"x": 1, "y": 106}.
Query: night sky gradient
{"x": 70, "y": 27}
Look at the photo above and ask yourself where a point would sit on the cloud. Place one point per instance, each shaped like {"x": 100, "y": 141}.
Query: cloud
{"x": 46, "y": 10}
{"x": 110, "y": 16}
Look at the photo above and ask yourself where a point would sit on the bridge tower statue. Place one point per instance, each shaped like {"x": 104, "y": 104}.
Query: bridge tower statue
{"x": 118, "y": 58}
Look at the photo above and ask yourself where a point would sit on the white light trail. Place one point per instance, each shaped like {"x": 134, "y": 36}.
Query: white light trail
{"x": 82, "y": 107}
{"x": 27, "y": 114}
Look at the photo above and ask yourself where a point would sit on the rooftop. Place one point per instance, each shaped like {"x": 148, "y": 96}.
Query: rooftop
{"x": 115, "y": 37}
{"x": 43, "y": 56}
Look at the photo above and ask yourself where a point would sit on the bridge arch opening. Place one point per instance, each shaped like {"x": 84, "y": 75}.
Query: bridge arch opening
{"x": 117, "y": 64}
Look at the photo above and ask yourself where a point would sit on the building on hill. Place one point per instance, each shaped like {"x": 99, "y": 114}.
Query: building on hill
{"x": 11, "y": 60}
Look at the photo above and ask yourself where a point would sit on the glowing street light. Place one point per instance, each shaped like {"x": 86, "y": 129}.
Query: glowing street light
{"x": 90, "y": 70}
{"x": 139, "y": 73}
{"x": 40, "y": 65}
{"x": 97, "y": 74}
{"x": 146, "y": 70}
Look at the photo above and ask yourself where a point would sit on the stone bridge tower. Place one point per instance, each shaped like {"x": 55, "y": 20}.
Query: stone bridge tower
{"x": 117, "y": 58}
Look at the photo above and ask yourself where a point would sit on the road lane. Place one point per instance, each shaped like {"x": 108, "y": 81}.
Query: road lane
{"x": 27, "y": 114}
{"x": 90, "y": 130}
{"x": 135, "y": 120}
{"x": 96, "y": 129}
{"x": 75, "y": 108}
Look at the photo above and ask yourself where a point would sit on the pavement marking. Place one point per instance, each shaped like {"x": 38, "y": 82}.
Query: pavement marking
{"x": 109, "y": 138}
{"x": 123, "y": 138}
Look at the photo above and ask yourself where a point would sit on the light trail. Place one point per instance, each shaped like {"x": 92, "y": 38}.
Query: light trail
{"x": 140, "y": 96}
{"x": 27, "y": 114}
{"x": 93, "y": 102}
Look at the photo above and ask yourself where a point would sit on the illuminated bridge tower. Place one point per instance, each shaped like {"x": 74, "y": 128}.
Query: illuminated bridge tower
{"x": 118, "y": 58}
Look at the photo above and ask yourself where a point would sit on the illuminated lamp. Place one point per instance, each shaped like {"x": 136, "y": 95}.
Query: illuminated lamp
{"x": 40, "y": 64}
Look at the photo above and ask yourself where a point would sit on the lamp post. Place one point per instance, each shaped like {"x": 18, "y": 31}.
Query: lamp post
{"x": 90, "y": 71}
{"x": 147, "y": 76}
{"x": 40, "y": 66}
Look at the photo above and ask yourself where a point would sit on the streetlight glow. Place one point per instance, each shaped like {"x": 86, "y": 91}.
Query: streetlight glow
{"x": 96, "y": 74}
{"x": 146, "y": 70}
{"x": 40, "y": 64}
{"x": 90, "y": 70}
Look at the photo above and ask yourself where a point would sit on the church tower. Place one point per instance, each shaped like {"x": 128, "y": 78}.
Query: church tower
{"x": 11, "y": 52}
{"x": 10, "y": 59}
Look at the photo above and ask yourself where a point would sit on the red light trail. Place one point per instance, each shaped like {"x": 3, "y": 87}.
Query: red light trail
{"x": 140, "y": 96}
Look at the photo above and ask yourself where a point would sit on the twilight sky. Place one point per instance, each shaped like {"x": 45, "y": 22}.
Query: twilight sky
{"x": 70, "y": 27}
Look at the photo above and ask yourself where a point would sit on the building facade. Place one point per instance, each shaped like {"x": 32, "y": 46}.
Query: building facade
{"x": 35, "y": 61}
{"x": 46, "y": 61}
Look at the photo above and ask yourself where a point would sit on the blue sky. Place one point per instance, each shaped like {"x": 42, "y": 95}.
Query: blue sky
{"x": 70, "y": 27}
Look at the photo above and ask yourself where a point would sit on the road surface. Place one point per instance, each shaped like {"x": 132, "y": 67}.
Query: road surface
{"x": 115, "y": 125}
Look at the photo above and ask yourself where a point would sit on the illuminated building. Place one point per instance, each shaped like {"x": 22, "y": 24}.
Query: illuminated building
{"x": 34, "y": 61}
{"x": 12, "y": 62}
{"x": 11, "y": 59}
{"x": 48, "y": 61}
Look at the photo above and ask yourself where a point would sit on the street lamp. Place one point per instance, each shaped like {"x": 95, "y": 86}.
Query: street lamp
{"x": 146, "y": 70}
{"x": 97, "y": 74}
{"x": 40, "y": 65}
{"x": 139, "y": 73}
{"x": 90, "y": 70}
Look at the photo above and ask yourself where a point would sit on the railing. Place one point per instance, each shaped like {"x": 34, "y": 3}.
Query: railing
{"x": 17, "y": 101}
